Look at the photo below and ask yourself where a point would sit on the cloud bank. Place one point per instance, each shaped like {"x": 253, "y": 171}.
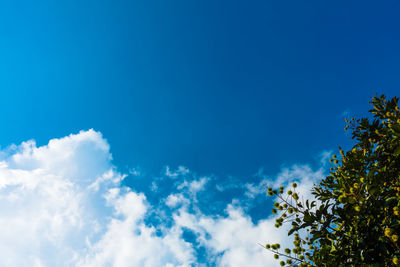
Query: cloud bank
{"x": 64, "y": 204}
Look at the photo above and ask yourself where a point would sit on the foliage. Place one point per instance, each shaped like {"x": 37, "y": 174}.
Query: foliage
{"x": 353, "y": 219}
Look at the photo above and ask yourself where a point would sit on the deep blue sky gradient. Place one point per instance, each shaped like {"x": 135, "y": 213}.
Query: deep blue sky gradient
{"x": 222, "y": 87}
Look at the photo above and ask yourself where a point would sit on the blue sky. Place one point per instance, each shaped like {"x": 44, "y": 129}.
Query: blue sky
{"x": 237, "y": 93}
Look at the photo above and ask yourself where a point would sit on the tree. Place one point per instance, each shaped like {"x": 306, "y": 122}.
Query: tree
{"x": 353, "y": 218}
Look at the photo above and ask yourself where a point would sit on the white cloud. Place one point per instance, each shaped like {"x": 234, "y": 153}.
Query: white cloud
{"x": 47, "y": 211}
{"x": 232, "y": 240}
{"x": 175, "y": 199}
{"x": 194, "y": 186}
{"x": 235, "y": 237}
{"x": 128, "y": 242}
{"x": 63, "y": 205}
{"x": 304, "y": 175}
{"x": 181, "y": 170}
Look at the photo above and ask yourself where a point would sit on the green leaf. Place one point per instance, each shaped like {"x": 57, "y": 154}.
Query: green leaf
{"x": 307, "y": 218}
{"x": 360, "y": 235}
{"x": 397, "y": 151}
{"x": 390, "y": 200}
{"x": 291, "y": 231}
{"x": 396, "y": 128}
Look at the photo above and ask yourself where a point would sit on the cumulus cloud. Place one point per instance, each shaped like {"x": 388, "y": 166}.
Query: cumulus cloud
{"x": 232, "y": 240}
{"x": 47, "y": 209}
{"x": 129, "y": 242}
{"x": 63, "y": 205}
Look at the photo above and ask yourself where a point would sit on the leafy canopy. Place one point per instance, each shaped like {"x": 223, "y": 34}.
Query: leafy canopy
{"x": 353, "y": 219}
